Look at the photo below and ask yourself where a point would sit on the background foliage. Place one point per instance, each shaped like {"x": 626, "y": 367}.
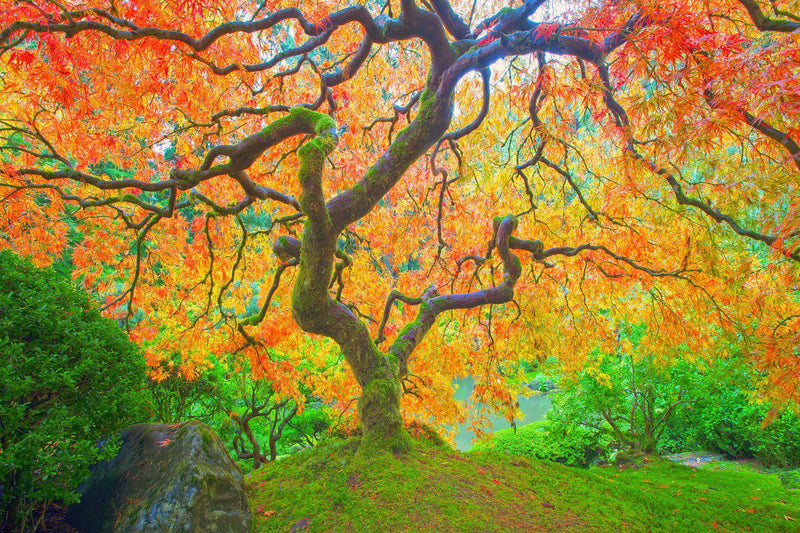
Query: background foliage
{"x": 720, "y": 410}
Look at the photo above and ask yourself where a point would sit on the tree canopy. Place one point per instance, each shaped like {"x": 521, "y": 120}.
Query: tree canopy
{"x": 375, "y": 198}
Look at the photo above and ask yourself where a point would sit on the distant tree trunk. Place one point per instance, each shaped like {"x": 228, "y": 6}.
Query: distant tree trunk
{"x": 276, "y": 414}
{"x": 273, "y": 449}
{"x": 240, "y": 447}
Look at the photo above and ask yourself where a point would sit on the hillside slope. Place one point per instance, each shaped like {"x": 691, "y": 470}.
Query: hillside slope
{"x": 331, "y": 488}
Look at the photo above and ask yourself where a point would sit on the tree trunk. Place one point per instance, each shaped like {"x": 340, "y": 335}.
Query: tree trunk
{"x": 313, "y": 308}
{"x": 273, "y": 449}
{"x": 379, "y": 414}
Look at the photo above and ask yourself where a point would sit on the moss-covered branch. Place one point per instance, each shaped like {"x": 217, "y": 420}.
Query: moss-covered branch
{"x": 410, "y": 145}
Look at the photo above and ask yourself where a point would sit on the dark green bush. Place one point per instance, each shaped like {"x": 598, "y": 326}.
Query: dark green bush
{"x": 622, "y": 400}
{"x": 68, "y": 379}
{"x": 679, "y": 408}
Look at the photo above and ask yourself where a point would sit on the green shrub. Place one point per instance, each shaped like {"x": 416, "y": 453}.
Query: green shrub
{"x": 550, "y": 440}
{"x": 724, "y": 418}
{"x": 224, "y": 395}
{"x": 68, "y": 379}
{"x": 630, "y": 403}
{"x": 689, "y": 407}
{"x": 623, "y": 400}
{"x": 790, "y": 479}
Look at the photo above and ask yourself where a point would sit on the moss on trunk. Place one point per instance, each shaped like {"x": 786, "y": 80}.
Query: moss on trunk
{"x": 379, "y": 413}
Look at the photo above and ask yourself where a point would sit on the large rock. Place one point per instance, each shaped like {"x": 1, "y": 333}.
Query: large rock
{"x": 165, "y": 478}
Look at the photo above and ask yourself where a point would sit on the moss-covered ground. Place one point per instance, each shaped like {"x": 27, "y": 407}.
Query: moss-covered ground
{"x": 434, "y": 488}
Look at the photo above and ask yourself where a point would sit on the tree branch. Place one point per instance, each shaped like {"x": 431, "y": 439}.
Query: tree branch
{"x": 432, "y": 304}
{"x": 765, "y": 23}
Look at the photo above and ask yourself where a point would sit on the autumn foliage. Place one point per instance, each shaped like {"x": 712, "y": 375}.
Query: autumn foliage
{"x": 640, "y": 156}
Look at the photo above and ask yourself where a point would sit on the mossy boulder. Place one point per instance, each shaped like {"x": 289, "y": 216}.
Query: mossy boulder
{"x": 165, "y": 478}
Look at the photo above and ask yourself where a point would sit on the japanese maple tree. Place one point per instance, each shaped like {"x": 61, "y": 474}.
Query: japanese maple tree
{"x": 429, "y": 189}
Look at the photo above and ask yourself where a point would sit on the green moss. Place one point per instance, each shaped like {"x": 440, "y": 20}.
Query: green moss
{"x": 321, "y": 122}
{"x": 514, "y": 221}
{"x": 359, "y": 190}
{"x": 207, "y": 437}
{"x": 379, "y": 413}
{"x": 400, "y": 145}
{"x": 402, "y": 343}
{"x": 315, "y": 150}
{"x": 339, "y": 488}
{"x": 496, "y": 221}
{"x": 399, "y": 443}
{"x": 377, "y": 400}
{"x": 394, "y": 364}
{"x": 426, "y": 103}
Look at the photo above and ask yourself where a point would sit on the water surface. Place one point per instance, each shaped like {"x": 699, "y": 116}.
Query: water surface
{"x": 533, "y": 410}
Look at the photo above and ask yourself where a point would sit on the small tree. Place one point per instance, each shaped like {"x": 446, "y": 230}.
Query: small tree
{"x": 260, "y": 403}
{"x": 68, "y": 379}
{"x": 247, "y": 412}
{"x": 261, "y": 414}
{"x": 629, "y": 398}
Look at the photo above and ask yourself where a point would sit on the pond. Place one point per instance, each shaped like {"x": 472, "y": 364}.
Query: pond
{"x": 533, "y": 410}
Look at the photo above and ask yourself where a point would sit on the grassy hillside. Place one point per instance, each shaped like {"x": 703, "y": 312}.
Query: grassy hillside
{"x": 331, "y": 488}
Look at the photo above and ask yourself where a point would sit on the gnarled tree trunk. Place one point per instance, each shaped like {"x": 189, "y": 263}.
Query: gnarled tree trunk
{"x": 313, "y": 308}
